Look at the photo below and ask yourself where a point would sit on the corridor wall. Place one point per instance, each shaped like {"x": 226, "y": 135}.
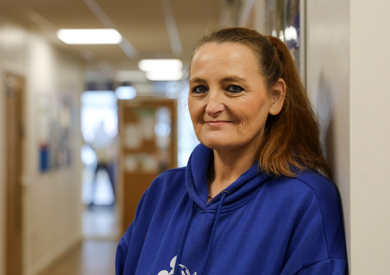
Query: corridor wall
{"x": 370, "y": 135}
{"x": 347, "y": 71}
{"x": 52, "y": 206}
{"x": 328, "y": 85}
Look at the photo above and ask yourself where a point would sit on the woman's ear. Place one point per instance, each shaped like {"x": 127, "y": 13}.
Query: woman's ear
{"x": 278, "y": 93}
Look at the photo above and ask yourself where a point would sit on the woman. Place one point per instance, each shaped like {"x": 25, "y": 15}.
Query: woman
{"x": 252, "y": 199}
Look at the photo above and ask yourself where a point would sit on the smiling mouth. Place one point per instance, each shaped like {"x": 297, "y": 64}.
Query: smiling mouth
{"x": 217, "y": 122}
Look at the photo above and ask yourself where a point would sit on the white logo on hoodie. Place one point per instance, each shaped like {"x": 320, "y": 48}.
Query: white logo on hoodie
{"x": 182, "y": 269}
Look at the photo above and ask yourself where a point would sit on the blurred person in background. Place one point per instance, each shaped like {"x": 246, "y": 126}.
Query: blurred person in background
{"x": 105, "y": 148}
{"x": 255, "y": 197}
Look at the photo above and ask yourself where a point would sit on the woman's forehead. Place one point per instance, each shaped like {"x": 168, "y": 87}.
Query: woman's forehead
{"x": 226, "y": 46}
{"x": 228, "y": 57}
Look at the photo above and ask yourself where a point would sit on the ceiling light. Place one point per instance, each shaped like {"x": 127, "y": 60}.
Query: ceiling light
{"x": 151, "y": 65}
{"x": 89, "y": 36}
{"x": 125, "y": 92}
{"x": 168, "y": 75}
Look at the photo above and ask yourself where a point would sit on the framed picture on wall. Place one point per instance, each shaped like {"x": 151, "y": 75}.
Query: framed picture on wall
{"x": 61, "y": 132}
{"x": 56, "y": 131}
{"x": 285, "y": 19}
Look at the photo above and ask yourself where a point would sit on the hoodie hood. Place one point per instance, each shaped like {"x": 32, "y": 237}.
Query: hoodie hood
{"x": 239, "y": 192}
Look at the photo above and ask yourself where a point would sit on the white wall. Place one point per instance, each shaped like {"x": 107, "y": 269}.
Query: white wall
{"x": 51, "y": 201}
{"x": 370, "y": 137}
{"x": 347, "y": 71}
{"x": 328, "y": 85}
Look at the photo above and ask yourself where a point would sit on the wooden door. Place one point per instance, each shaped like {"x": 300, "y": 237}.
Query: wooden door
{"x": 148, "y": 135}
{"x": 13, "y": 160}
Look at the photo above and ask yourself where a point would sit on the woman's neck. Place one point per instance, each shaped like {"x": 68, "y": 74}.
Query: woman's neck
{"x": 227, "y": 168}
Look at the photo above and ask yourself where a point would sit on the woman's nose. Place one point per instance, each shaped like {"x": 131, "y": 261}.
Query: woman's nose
{"x": 215, "y": 103}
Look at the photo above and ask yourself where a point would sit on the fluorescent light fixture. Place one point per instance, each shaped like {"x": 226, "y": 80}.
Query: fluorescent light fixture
{"x": 164, "y": 75}
{"x": 125, "y": 92}
{"x": 152, "y": 65}
{"x": 89, "y": 36}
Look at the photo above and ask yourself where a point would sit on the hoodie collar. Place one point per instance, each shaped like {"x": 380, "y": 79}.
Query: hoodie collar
{"x": 239, "y": 191}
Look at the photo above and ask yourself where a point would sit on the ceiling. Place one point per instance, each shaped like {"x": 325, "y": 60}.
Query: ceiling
{"x": 150, "y": 28}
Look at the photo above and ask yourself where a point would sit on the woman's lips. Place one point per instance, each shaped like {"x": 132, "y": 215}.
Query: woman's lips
{"x": 217, "y": 122}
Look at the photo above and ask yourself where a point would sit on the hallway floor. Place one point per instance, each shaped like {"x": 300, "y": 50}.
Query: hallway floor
{"x": 95, "y": 255}
{"x": 91, "y": 257}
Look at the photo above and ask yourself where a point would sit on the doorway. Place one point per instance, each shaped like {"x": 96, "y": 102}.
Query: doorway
{"x": 14, "y": 114}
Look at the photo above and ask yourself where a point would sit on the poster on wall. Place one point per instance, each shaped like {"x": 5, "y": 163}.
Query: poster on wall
{"x": 43, "y": 131}
{"x": 55, "y": 132}
{"x": 285, "y": 20}
{"x": 61, "y": 133}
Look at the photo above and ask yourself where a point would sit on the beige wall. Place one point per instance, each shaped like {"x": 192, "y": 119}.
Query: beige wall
{"x": 328, "y": 84}
{"x": 347, "y": 68}
{"x": 370, "y": 137}
{"x": 51, "y": 201}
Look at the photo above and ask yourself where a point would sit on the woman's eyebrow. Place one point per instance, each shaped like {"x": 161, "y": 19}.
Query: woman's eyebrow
{"x": 225, "y": 79}
{"x": 197, "y": 80}
{"x": 232, "y": 78}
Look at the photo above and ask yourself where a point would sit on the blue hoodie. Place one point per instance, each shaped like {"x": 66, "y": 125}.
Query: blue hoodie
{"x": 257, "y": 225}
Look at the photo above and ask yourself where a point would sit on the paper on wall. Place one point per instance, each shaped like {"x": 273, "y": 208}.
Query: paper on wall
{"x": 149, "y": 163}
{"x": 133, "y": 136}
{"x": 147, "y": 126}
{"x": 131, "y": 163}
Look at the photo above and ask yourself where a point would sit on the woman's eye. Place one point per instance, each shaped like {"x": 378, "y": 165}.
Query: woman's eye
{"x": 234, "y": 89}
{"x": 199, "y": 89}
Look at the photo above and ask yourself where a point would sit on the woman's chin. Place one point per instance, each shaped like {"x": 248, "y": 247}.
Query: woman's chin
{"x": 218, "y": 145}
{"x": 224, "y": 144}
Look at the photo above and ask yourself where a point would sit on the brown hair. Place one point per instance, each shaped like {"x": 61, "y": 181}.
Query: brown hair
{"x": 291, "y": 139}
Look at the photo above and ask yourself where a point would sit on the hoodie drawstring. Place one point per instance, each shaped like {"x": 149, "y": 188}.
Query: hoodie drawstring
{"x": 187, "y": 228}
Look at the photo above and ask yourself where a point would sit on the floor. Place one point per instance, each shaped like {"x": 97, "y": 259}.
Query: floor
{"x": 91, "y": 257}
{"x": 95, "y": 255}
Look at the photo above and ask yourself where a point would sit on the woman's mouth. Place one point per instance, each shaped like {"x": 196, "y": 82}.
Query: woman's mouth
{"x": 217, "y": 122}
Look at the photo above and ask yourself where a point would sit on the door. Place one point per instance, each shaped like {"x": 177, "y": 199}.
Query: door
{"x": 148, "y": 137}
{"x": 13, "y": 160}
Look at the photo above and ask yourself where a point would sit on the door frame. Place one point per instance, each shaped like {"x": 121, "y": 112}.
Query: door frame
{"x": 14, "y": 145}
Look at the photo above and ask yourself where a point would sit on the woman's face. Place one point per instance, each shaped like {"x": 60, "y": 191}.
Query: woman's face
{"x": 228, "y": 99}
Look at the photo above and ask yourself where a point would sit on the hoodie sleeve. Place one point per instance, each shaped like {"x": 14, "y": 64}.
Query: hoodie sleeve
{"x": 125, "y": 241}
{"x": 317, "y": 242}
{"x": 121, "y": 252}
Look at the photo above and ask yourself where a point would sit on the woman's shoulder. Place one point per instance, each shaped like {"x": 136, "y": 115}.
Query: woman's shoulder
{"x": 307, "y": 187}
{"x": 170, "y": 181}
{"x": 321, "y": 186}
{"x": 309, "y": 181}
{"x": 310, "y": 188}
{"x": 171, "y": 175}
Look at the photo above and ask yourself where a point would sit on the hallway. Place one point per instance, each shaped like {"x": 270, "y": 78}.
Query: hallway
{"x": 95, "y": 255}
